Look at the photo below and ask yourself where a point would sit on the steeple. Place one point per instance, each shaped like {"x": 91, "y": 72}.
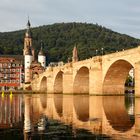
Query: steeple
{"x": 28, "y": 38}
{"x": 41, "y": 50}
{"x": 28, "y": 23}
{"x": 75, "y": 54}
{"x": 28, "y": 30}
{"x": 41, "y": 56}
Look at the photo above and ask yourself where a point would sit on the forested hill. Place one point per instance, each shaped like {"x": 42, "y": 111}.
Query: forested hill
{"x": 59, "y": 40}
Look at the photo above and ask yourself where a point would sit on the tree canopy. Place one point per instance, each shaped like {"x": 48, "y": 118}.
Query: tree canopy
{"x": 60, "y": 38}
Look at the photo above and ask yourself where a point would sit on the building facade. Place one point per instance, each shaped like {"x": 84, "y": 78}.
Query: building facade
{"x": 11, "y": 72}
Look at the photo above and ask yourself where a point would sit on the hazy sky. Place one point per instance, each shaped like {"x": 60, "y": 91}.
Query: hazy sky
{"x": 119, "y": 15}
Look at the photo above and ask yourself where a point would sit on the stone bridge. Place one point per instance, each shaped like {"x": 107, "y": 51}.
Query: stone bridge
{"x": 98, "y": 75}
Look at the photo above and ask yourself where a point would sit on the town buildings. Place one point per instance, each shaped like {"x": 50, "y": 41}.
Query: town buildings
{"x": 18, "y": 69}
{"x": 11, "y": 72}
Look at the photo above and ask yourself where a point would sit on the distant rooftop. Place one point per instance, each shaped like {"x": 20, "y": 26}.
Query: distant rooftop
{"x": 16, "y": 57}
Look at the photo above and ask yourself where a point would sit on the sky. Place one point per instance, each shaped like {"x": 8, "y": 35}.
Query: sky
{"x": 122, "y": 16}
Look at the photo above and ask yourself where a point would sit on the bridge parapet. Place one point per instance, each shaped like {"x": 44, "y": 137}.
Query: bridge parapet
{"x": 94, "y": 59}
{"x": 122, "y": 53}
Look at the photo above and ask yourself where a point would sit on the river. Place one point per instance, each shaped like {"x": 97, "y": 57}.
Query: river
{"x": 57, "y": 116}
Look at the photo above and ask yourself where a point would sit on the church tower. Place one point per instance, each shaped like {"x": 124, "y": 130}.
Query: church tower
{"x": 75, "y": 54}
{"x": 28, "y": 40}
{"x": 42, "y": 57}
{"x": 28, "y": 52}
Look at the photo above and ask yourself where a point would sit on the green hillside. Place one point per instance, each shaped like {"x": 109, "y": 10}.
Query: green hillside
{"x": 59, "y": 40}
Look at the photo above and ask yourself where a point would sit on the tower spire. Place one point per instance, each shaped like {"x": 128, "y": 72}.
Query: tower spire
{"x": 28, "y": 37}
{"x": 75, "y": 54}
{"x": 28, "y": 30}
{"x": 28, "y": 23}
{"x": 41, "y": 56}
{"x": 41, "y": 49}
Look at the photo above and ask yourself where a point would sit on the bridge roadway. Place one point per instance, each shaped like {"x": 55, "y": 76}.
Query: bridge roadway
{"x": 94, "y": 76}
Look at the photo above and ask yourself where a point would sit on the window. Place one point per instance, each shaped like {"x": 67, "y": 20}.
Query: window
{"x": 13, "y": 65}
{"x": 18, "y": 65}
{"x": 5, "y": 64}
{"x": 9, "y": 65}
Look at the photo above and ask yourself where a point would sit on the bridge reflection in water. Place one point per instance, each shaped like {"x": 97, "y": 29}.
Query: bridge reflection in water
{"x": 114, "y": 116}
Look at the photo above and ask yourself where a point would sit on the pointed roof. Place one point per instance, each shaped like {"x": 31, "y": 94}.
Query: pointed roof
{"x": 28, "y": 30}
{"x": 75, "y": 54}
{"x": 28, "y": 23}
{"x": 41, "y": 50}
{"x": 75, "y": 50}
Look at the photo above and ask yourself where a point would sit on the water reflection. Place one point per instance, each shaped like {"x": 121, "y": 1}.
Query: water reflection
{"x": 81, "y": 105}
{"x": 10, "y": 111}
{"x": 58, "y": 102}
{"x": 116, "y": 112}
{"x": 43, "y": 100}
{"x": 27, "y": 115}
{"x": 67, "y": 116}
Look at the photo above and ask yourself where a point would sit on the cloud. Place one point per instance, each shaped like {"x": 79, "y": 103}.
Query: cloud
{"x": 120, "y": 15}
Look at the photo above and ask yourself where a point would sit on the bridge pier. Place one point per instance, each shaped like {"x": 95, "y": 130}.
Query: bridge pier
{"x": 137, "y": 79}
{"x": 95, "y": 81}
{"x": 137, "y": 119}
{"x": 67, "y": 83}
{"x": 50, "y": 85}
{"x": 35, "y": 86}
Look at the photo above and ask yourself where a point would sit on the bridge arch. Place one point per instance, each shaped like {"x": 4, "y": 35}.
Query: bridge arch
{"x": 115, "y": 78}
{"x": 58, "y": 83}
{"x": 43, "y": 84}
{"x": 81, "y": 81}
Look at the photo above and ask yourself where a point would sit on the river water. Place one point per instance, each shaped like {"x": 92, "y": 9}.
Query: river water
{"x": 56, "y": 116}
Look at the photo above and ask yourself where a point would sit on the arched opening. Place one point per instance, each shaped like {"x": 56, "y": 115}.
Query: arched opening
{"x": 43, "y": 85}
{"x": 58, "y": 83}
{"x": 119, "y": 111}
{"x": 81, "y": 81}
{"x": 58, "y": 102}
{"x": 115, "y": 79}
{"x": 81, "y": 105}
